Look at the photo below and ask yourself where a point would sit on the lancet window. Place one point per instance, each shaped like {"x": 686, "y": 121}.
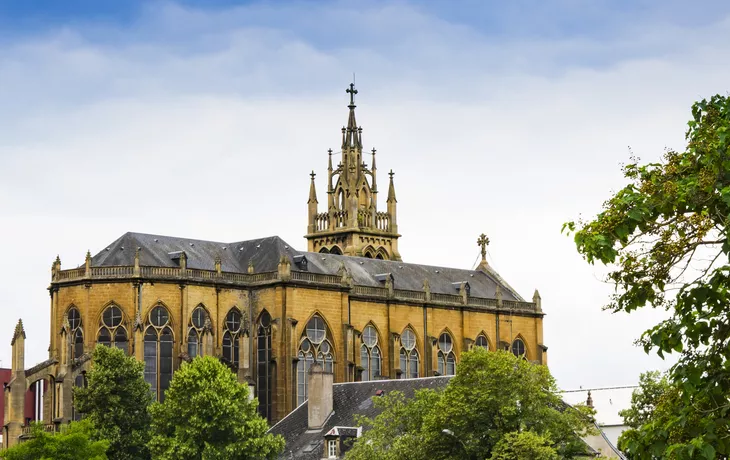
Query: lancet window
{"x": 518, "y": 348}
{"x": 158, "y": 344}
{"x": 446, "y": 357}
{"x": 112, "y": 332}
{"x": 264, "y": 373}
{"x": 195, "y": 331}
{"x": 232, "y": 330}
{"x": 370, "y": 357}
{"x": 409, "y": 359}
{"x": 482, "y": 342}
{"x": 77, "y": 332}
{"x": 314, "y": 345}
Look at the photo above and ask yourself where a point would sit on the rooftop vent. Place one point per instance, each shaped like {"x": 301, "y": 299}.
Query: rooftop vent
{"x": 176, "y": 255}
{"x": 458, "y": 284}
{"x": 379, "y": 392}
{"x": 382, "y": 277}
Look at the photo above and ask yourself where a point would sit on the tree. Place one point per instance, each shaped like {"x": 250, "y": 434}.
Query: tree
{"x": 665, "y": 236}
{"x": 116, "y": 401}
{"x": 492, "y": 395}
{"x": 524, "y": 445}
{"x": 72, "y": 443}
{"x": 653, "y": 386}
{"x": 207, "y": 414}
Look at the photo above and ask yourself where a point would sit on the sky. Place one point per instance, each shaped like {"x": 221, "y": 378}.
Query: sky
{"x": 203, "y": 120}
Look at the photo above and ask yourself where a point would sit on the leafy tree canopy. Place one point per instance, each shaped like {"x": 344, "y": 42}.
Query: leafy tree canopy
{"x": 72, "y": 443}
{"x": 492, "y": 395}
{"x": 524, "y": 445}
{"x": 665, "y": 235}
{"x": 116, "y": 402}
{"x": 207, "y": 414}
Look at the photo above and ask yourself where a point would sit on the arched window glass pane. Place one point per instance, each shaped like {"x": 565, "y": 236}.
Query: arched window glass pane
{"x": 370, "y": 336}
{"x": 445, "y": 343}
{"x": 236, "y": 352}
{"x": 301, "y": 380}
{"x": 450, "y": 364}
{"x": 165, "y": 361}
{"x": 78, "y": 343}
{"x": 403, "y": 363}
{"x": 233, "y": 321}
{"x": 316, "y": 329}
{"x": 365, "y": 363}
{"x": 408, "y": 339}
{"x": 374, "y": 363}
{"x": 74, "y": 318}
{"x": 328, "y": 363}
{"x": 199, "y": 317}
{"x": 518, "y": 347}
{"x": 150, "y": 359}
{"x": 159, "y": 316}
{"x": 120, "y": 340}
{"x": 413, "y": 358}
{"x": 193, "y": 343}
{"x": 263, "y": 366}
{"x": 441, "y": 363}
{"x": 104, "y": 337}
{"x": 227, "y": 347}
{"x": 112, "y": 316}
{"x": 482, "y": 342}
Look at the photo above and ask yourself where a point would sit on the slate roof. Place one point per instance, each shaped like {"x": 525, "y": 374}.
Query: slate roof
{"x": 348, "y": 399}
{"x": 265, "y": 254}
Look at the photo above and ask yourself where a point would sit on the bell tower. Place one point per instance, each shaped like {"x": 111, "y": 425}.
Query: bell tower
{"x": 352, "y": 224}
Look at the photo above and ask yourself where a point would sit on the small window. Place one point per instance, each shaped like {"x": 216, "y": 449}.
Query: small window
{"x": 159, "y": 317}
{"x": 518, "y": 348}
{"x": 332, "y": 448}
{"x": 74, "y": 318}
{"x": 370, "y": 336}
{"x": 445, "y": 357}
{"x": 482, "y": 342}
{"x": 112, "y": 317}
{"x": 408, "y": 339}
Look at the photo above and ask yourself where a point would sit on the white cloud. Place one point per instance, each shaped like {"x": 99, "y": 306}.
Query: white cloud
{"x": 199, "y": 125}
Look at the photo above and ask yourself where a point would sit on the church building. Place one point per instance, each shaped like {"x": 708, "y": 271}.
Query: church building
{"x": 269, "y": 311}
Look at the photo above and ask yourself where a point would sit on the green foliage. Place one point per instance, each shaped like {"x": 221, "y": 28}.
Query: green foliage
{"x": 524, "y": 445}
{"x": 666, "y": 237}
{"x": 653, "y": 386}
{"x": 492, "y": 395}
{"x": 72, "y": 443}
{"x": 207, "y": 415}
{"x": 116, "y": 402}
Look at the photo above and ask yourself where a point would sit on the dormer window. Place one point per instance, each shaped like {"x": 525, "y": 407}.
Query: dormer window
{"x": 332, "y": 448}
{"x": 383, "y": 277}
{"x": 301, "y": 262}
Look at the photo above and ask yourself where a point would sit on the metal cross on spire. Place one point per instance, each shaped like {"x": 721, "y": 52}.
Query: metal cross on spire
{"x": 352, "y": 91}
{"x": 483, "y": 241}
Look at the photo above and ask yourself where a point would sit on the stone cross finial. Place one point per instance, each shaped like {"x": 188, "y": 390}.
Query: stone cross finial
{"x": 483, "y": 241}
{"x": 312, "y": 174}
{"x": 352, "y": 91}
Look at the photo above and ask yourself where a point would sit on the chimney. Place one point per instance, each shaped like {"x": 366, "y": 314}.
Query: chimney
{"x": 320, "y": 400}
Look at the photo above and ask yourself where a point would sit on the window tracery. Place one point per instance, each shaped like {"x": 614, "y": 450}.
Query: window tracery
{"x": 158, "y": 344}
{"x": 112, "y": 332}
{"x": 196, "y": 329}
{"x": 409, "y": 359}
{"x": 519, "y": 349}
{"x": 370, "y": 356}
{"x": 446, "y": 358}
{"x": 77, "y": 332}
{"x": 232, "y": 330}
{"x": 314, "y": 345}
{"x": 482, "y": 342}
{"x": 264, "y": 374}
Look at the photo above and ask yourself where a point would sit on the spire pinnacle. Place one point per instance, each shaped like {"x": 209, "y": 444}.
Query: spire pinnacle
{"x": 352, "y": 135}
{"x": 483, "y": 242}
{"x": 391, "y": 189}
{"x": 312, "y": 190}
{"x": 19, "y": 330}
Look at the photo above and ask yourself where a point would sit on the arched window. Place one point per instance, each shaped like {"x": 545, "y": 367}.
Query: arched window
{"x": 314, "y": 344}
{"x": 519, "y": 349}
{"x": 231, "y": 334}
{"x": 324, "y": 251}
{"x": 409, "y": 359}
{"x": 264, "y": 374}
{"x": 336, "y": 250}
{"x": 79, "y": 382}
{"x": 158, "y": 342}
{"x": 482, "y": 342}
{"x": 111, "y": 331}
{"x": 370, "y": 354}
{"x": 195, "y": 331}
{"x": 446, "y": 357}
{"x": 77, "y": 332}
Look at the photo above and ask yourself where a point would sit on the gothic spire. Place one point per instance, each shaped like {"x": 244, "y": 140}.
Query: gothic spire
{"x": 391, "y": 189}
{"x": 312, "y": 190}
{"x": 352, "y": 134}
{"x": 19, "y": 331}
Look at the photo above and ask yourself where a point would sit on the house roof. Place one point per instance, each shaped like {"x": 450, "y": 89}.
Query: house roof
{"x": 349, "y": 399}
{"x": 265, "y": 253}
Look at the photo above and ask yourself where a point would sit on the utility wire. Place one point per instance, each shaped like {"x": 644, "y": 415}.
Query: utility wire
{"x": 600, "y": 389}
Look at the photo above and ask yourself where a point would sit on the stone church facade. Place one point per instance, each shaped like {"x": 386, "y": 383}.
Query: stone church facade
{"x": 270, "y": 311}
